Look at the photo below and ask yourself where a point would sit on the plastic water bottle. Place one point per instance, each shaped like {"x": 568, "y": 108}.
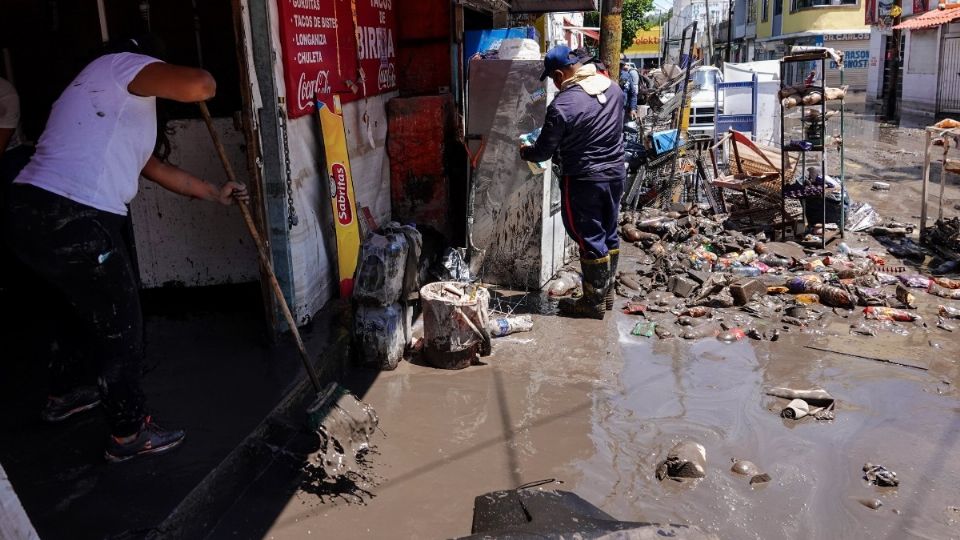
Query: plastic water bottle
{"x": 504, "y": 326}
{"x": 745, "y": 271}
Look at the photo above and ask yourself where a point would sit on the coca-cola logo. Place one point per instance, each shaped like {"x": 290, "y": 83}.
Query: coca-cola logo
{"x": 307, "y": 90}
{"x": 341, "y": 199}
{"x": 386, "y": 78}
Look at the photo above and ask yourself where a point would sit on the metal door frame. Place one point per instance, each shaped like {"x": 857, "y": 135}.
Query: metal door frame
{"x": 941, "y": 87}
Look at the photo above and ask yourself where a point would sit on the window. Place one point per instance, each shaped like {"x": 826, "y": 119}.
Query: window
{"x": 766, "y": 11}
{"x": 751, "y": 11}
{"x": 922, "y": 48}
{"x": 706, "y": 79}
{"x": 797, "y": 5}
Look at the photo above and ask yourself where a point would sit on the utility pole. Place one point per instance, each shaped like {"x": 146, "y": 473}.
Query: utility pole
{"x": 611, "y": 30}
{"x": 726, "y": 53}
{"x": 709, "y": 36}
{"x": 891, "y": 109}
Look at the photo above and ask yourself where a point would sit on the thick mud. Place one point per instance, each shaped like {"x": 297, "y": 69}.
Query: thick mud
{"x": 589, "y": 404}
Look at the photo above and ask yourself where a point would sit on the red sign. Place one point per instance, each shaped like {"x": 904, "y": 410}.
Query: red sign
{"x": 344, "y": 215}
{"x": 324, "y": 42}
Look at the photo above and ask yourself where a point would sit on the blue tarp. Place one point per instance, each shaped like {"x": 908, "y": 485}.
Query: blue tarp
{"x": 484, "y": 40}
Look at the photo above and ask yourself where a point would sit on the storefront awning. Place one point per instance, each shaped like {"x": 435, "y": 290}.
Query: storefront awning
{"x": 592, "y": 33}
{"x": 560, "y": 6}
{"x": 932, "y": 19}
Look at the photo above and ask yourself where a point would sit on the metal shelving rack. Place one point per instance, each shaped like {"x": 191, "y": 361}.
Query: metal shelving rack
{"x": 785, "y": 149}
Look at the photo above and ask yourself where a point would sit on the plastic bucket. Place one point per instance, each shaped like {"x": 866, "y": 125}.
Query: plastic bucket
{"x": 454, "y": 318}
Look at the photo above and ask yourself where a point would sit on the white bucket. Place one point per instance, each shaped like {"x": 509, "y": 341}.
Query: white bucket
{"x": 455, "y": 316}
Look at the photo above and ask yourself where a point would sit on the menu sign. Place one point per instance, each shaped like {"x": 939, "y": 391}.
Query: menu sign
{"x": 324, "y": 41}
{"x": 376, "y": 45}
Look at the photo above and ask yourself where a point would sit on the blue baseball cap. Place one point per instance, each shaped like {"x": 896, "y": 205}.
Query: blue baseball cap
{"x": 557, "y": 58}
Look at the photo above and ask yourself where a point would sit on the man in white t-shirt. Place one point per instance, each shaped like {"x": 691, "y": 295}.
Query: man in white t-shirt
{"x": 67, "y": 213}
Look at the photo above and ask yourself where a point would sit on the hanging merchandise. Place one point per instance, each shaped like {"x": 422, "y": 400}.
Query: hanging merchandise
{"x": 341, "y": 193}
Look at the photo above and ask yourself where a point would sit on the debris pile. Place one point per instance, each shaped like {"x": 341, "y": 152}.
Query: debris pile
{"x": 696, "y": 278}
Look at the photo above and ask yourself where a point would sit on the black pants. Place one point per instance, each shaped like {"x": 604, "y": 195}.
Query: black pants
{"x": 79, "y": 252}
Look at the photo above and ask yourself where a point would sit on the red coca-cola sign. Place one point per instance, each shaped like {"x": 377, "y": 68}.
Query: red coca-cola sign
{"x": 326, "y": 52}
{"x": 340, "y": 194}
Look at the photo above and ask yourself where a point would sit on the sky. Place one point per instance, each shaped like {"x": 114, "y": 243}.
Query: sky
{"x": 662, "y": 4}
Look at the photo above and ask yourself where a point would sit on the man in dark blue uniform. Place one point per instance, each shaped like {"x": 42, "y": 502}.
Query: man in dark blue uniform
{"x": 583, "y": 128}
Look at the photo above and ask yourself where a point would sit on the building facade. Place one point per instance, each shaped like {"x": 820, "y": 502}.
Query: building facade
{"x": 840, "y": 24}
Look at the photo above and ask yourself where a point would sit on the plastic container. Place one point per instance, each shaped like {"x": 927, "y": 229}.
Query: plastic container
{"x": 455, "y": 318}
{"x": 379, "y": 335}
{"x": 380, "y": 274}
{"x": 772, "y": 260}
{"x": 745, "y": 271}
{"x": 504, "y": 326}
{"x": 411, "y": 273}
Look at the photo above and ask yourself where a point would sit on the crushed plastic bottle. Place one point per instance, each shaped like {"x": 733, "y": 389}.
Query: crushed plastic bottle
{"x": 564, "y": 284}
{"x": 504, "y": 326}
{"x": 745, "y": 271}
{"x": 774, "y": 260}
{"x": 949, "y": 312}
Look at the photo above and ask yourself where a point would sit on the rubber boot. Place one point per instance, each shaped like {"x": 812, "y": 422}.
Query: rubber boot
{"x": 592, "y": 305}
{"x": 610, "y": 295}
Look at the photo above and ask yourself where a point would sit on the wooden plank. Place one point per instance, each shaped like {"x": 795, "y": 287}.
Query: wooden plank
{"x": 14, "y": 523}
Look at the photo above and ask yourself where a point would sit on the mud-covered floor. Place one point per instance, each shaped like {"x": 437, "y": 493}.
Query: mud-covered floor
{"x": 592, "y": 406}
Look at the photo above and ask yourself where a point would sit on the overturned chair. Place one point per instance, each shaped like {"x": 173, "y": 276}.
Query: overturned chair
{"x": 752, "y": 193}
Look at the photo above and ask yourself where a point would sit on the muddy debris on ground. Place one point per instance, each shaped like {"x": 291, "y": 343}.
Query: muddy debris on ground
{"x": 687, "y": 459}
{"x": 693, "y": 265}
{"x": 880, "y": 476}
{"x": 344, "y": 426}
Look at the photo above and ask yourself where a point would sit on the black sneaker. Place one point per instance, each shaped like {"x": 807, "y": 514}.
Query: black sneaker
{"x": 59, "y": 408}
{"x": 152, "y": 439}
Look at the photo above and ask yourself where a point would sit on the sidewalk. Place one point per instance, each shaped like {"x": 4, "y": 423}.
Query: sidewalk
{"x": 211, "y": 372}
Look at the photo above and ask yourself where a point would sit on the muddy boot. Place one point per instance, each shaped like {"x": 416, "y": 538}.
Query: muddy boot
{"x": 596, "y": 274}
{"x": 612, "y": 280}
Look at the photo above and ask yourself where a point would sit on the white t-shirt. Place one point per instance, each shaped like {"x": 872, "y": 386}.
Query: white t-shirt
{"x": 10, "y": 112}
{"x": 98, "y": 138}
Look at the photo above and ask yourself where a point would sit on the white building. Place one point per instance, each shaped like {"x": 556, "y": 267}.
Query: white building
{"x": 688, "y": 11}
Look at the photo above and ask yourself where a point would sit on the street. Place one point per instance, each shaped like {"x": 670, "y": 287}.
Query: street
{"x": 588, "y": 404}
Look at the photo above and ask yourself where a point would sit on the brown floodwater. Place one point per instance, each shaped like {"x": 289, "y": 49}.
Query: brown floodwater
{"x": 589, "y": 404}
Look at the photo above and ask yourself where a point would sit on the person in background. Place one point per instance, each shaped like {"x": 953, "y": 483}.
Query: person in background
{"x": 67, "y": 210}
{"x": 630, "y": 83}
{"x": 14, "y": 152}
{"x": 586, "y": 57}
{"x": 584, "y": 128}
